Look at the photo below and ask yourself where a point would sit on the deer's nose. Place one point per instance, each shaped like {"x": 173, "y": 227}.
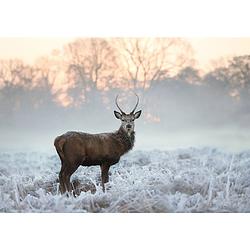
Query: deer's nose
{"x": 129, "y": 126}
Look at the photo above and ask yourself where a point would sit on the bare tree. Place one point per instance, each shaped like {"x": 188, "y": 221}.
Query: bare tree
{"x": 24, "y": 88}
{"x": 190, "y": 75}
{"x": 15, "y": 78}
{"x": 14, "y": 72}
{"x": 234, "y": 75}
{"x": 239, "y": 70}
{"x": 49, "y": 77}
{"x": 149, "y": 59}
{"x": 91, "y": 63}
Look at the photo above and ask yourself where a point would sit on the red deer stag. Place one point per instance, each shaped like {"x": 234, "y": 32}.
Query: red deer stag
{"x": 105, "y": 149}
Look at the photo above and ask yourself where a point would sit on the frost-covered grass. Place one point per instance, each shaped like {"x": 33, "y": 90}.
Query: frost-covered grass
{"x": 184, "y": 180}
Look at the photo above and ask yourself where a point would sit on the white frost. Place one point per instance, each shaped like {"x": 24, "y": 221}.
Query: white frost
{"x": 184, "y": 180}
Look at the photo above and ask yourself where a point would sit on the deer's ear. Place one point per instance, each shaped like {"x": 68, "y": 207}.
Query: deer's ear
{"x": 118, "y": 115}
{"x": 137, "y": 114}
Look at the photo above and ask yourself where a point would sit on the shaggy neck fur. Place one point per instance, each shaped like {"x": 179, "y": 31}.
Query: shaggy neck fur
{"x": 126, "y": 139}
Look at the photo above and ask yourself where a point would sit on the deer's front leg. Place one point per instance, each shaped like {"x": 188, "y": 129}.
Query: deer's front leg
{"x": 104, "y": 175}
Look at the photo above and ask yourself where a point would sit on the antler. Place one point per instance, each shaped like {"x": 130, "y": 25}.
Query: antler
{"x": 136, "y": 104}
{"x": 116, "y": 102}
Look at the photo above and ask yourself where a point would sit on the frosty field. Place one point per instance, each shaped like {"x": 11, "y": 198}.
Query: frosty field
{"x": 184, "y": 180}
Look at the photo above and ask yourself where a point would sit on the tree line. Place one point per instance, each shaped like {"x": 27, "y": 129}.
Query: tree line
{"x": 82, "y": 80}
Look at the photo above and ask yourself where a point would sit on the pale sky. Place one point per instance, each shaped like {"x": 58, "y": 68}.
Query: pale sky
{"x": 206, "y": 49}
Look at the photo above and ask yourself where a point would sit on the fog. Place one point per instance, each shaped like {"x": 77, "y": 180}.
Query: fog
{"x": 75, "y": 90}
{"x": 169, "y": 120}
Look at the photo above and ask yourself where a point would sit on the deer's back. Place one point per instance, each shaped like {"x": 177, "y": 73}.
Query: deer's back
{"x": 91, "y": 149}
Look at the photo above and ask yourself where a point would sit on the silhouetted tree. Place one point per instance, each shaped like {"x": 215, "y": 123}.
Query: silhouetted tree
{"x": 145, "y": 60}
{"x": 91, "y": 66}
{"x": 25, "y": 92}
{"x": 189, "y": 75}
{"x": 235, "y": 77}
{"x": 15, "y": 79}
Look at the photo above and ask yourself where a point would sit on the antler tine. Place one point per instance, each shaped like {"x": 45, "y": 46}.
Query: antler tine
{"x": 136, "y": 104}
{"x": 116, "y": 102}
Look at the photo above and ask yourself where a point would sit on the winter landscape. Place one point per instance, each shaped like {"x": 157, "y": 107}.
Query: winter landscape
{"x": 192, "y": 149}
{"x": 184, "y": 180}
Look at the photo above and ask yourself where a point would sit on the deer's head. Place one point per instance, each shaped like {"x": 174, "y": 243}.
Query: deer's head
{"x": 128, "y": 120}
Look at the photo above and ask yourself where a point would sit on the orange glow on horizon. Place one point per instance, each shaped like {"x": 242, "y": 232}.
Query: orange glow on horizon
{"x": 29, "y": 49}
{"x": 46, "y": 52}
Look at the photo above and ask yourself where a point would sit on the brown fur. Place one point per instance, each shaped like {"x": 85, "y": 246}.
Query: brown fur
{"x": 77, "y": 148}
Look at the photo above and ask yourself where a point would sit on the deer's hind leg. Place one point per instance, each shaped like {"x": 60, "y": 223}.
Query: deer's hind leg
{"x": 62, "y": 179}
{"x": 104, "y": 175}
{"x": 68, "y": 174}
{"x": 64, "y": 176}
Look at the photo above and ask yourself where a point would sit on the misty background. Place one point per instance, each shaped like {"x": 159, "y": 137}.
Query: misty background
{"x": 75, "y": 89}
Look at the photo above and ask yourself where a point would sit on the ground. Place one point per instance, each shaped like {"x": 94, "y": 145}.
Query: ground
{"x": 184, "y": 180}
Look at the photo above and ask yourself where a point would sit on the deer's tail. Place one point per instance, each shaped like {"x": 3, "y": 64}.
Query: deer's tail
{"x": 59, "y": 143}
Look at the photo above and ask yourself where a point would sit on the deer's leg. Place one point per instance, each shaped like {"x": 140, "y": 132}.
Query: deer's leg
{"x": 64, "y": 177}
{"x": 68, "y": 184}
{"x": 68, "y": 174}
{"x": 104, "y": 175}
{"x": 62, "y": 182}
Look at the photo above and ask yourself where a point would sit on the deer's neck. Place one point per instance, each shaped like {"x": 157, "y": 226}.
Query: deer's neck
{"x": 126, "y": 139}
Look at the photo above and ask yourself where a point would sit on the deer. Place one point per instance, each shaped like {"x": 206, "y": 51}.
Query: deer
{"x": 104, "y": 149}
